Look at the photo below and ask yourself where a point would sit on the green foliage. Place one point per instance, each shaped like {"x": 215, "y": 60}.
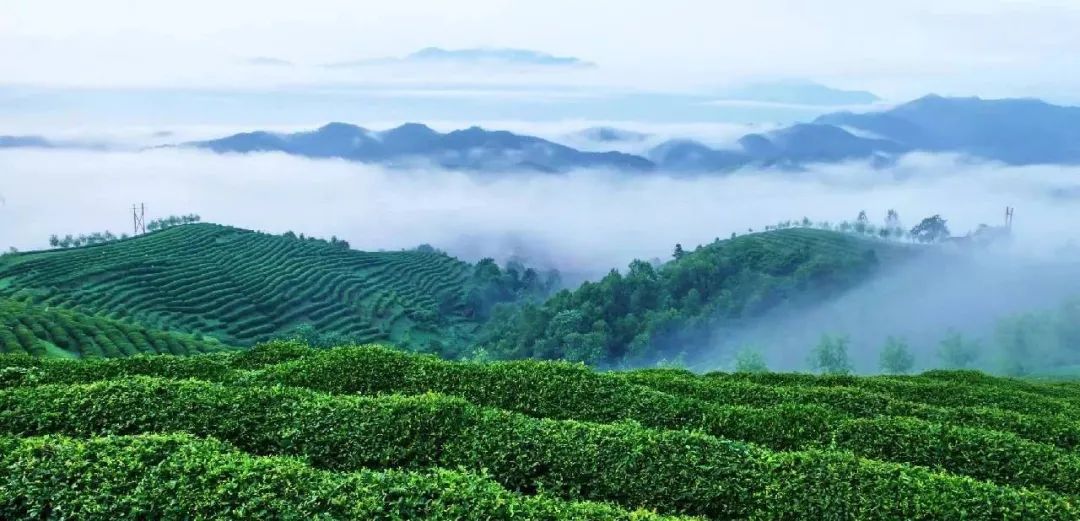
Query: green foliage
{"x": 181, "y": 477}
{"x": 244, "y": 287}
{"x": 491, "y": 286}
{"x": 931, "y": 229}
{"x": 621, "y": 463}
{"x": 938, "y": 397}
{"x": 170, "y": 221}
{"x": 43, "y": 331}
{"x": 826, "y": 446}
{"x": 749, "y": 360}
{"x": 895, "y": 357}
{"x": 68, "y": 241}
{"x": 1037, "y": 342}
{"x": 958, "y": 353}
{"x": 830, "y": 355}
{"x": 650, "y": 313}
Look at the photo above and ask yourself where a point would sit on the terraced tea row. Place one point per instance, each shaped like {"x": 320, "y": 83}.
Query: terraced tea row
{"x": 242, "y": 286}
{"x": 992, "y": 444}
{"x": 182, "y": 477}
{"x": 672, "y": 471}
{"x": 43, "y": 331}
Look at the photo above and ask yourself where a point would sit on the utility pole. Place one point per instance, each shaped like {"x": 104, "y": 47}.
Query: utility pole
{"x": 138, "y": 217}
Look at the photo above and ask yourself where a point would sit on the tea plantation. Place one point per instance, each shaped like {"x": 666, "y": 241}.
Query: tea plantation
{"x": 241, "y": 287}
{"x": 285, "y": 431}
{"x": 46, "y": 331}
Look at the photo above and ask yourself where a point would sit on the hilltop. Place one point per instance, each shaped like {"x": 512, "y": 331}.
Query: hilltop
{"x": 240, "y": 286}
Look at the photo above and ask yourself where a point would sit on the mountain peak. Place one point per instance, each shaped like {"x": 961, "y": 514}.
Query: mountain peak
{"x": 337, "y": 127}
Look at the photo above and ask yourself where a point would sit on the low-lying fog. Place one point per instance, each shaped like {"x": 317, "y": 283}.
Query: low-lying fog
{"x": 587, "y": 222}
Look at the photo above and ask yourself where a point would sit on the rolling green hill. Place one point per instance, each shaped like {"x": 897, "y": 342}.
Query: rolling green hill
{"x": 288, "y": 431}
{"x": 44, "y": 331}
{"x": 242, "y": 286}
{"x": 654, "y": 312}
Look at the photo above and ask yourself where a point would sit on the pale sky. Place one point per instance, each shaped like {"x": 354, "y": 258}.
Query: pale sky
{"x": 898, "y": 49}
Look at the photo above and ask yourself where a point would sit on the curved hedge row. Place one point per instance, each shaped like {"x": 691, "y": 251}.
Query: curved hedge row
{"x": 242, "y": 286}
{"x": 671, "y": 471}
{"x": 40, "y": 331}
{"x": 993, "y": 456}
{"x": 180, "y": 477}
{"x": 1055, "y": 425}
{"x": 942, "y": 392}
{"x": 566, "y": 391}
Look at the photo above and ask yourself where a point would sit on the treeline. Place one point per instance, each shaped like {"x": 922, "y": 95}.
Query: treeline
{"x": 514, "y": 283}
{"x": 649, "y": 312}
{"x": 930, "y": 229}
{"x": 333, "y": 240}
{"x": 172, "y": 220}
{"x": 1032, "y": 343}
{"x": 70, "y": 241}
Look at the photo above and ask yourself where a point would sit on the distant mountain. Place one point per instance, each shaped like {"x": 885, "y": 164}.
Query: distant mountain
{"x": 798, "y": 92}
{"x": 814, "y": 143}
{"x": 1013, "y": 131}
{"x": 24, "y": 142}
{"x": 791, "y": 147}
{"x": 610, "y": 135}
{"x": 689, "y": 155}
{"x": 475, "y": 56}
{"x": 473, "y": 148}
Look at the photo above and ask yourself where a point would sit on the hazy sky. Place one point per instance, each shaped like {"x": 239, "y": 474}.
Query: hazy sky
{"x": 899, "y": 49}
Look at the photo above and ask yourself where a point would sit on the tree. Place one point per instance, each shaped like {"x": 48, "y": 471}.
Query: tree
{"x": 862, "y": 222}
{"x": 830, "y": 356}
{"x": 892, "y": 219}
{"x": 895, "y": 357}
{"x": 749, "y": 360}
{"x": 1027, "y": 343}
{"x": 956, "y": 352}
{"x": 678, "y": 252}
{"x": 931, "y": 229}
{"x": 54, "y": 241}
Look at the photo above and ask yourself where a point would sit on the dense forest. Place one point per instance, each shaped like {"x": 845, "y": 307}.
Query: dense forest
{"x": 653, "y": 312}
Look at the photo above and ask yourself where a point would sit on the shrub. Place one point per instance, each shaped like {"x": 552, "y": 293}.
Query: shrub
{"x": 180, "y": 477}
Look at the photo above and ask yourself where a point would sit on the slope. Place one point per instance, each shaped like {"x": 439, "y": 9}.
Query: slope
{"x": 242, "y": 286}
{"x": 43, "y": 331}
{"x": 651, "y": 313}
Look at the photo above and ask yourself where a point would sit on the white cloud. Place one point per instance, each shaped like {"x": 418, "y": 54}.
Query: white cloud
{"x": 899, "y": 49}
{"x": 581, "y": 221}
